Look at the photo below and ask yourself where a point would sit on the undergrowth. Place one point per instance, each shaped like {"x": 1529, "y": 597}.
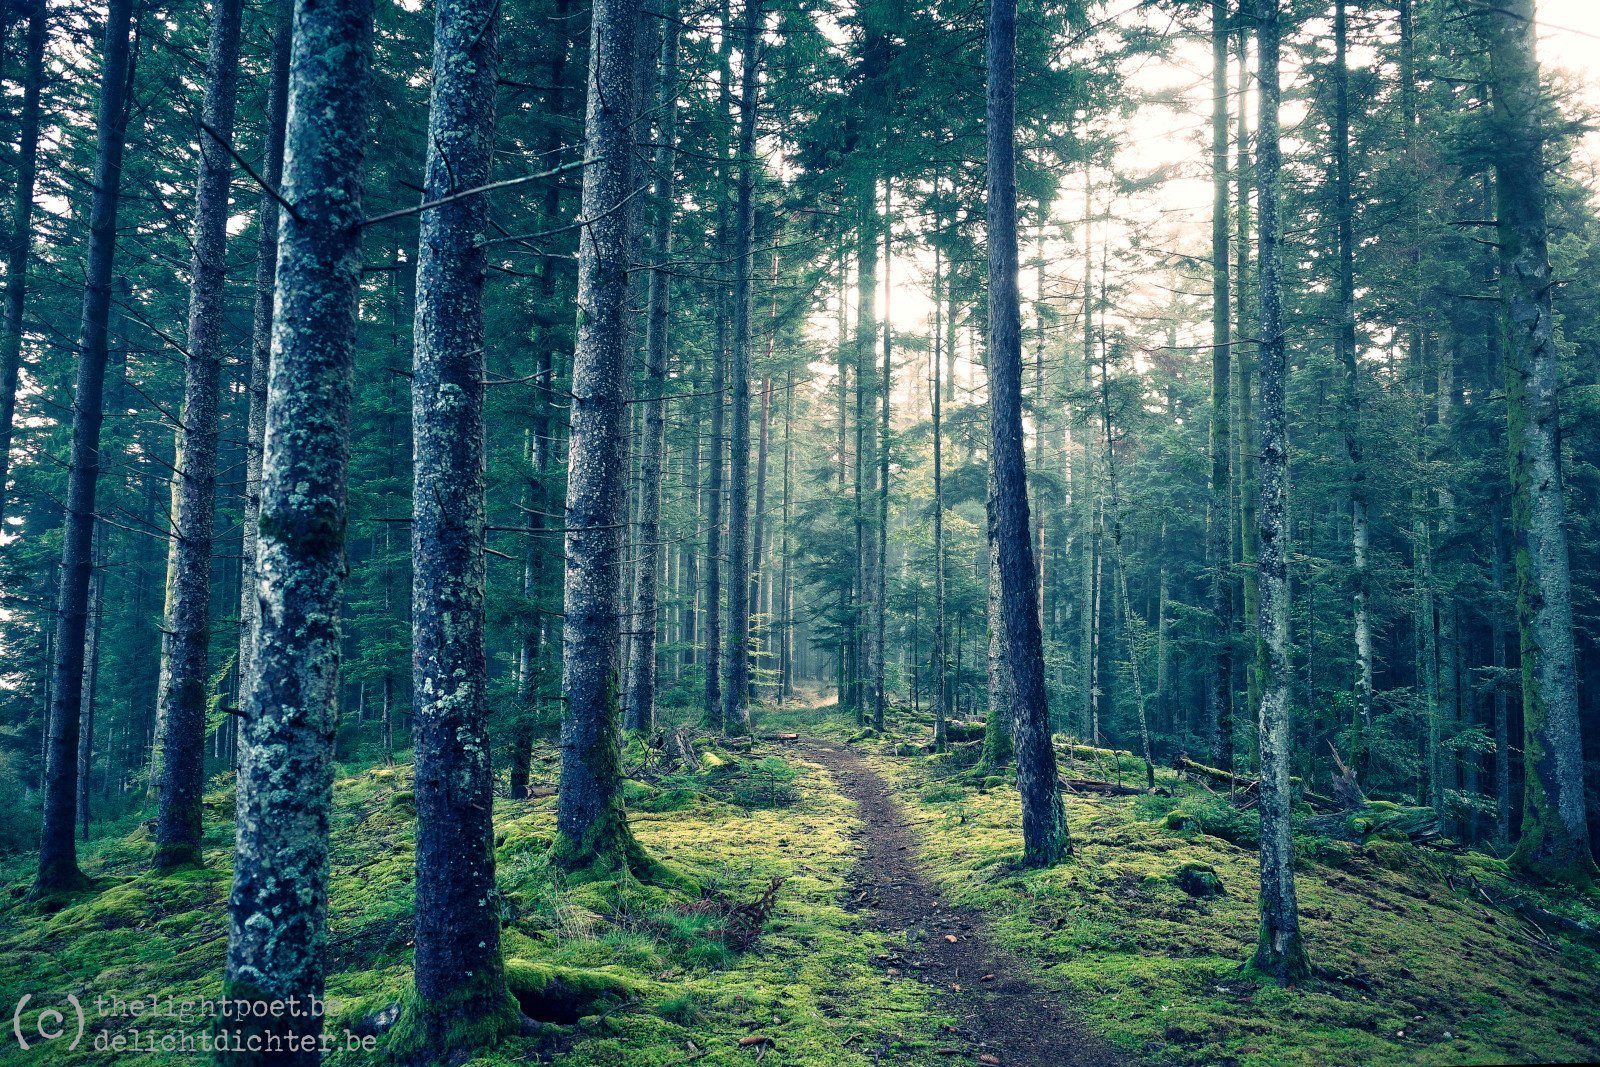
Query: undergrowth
{"x": 1145, "y": 927}
{"x": 618, "y": 972}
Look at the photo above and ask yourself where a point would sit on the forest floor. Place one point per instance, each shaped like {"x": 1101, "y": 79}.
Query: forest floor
{"x": 880, "y": 852}
{"x": 1004, "y": 1013}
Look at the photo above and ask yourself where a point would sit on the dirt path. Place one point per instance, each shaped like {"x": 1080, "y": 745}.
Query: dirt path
{"x": 1007, "y": 1019}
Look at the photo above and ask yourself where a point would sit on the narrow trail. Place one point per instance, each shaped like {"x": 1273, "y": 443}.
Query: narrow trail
{"x": 1006, "y": 1018}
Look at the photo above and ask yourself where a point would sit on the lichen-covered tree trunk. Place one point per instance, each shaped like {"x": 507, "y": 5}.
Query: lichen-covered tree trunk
{"x": 998, "y": 745}
{"x": 277, "y": 943}
{"x": 1219, "y": 691}
{"x": 1044, "y": 823}
{"x": 261, "y": 338}
{"x": 1555, "y": 833}
{"x": 641, "y": 696}
{"x": 91, "y": 675}
{"x": 736, "y": 691}
{"x": 183, "y": 721}
{"x": 58, "y": 857}
{"x": 24, "y": 179}
{"x": 591, "y": 825}
{"x": 461, "y": 999}
{"x": 1280, "y": 952}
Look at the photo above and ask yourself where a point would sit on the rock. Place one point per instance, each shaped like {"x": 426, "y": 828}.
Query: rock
{"x": 1199, "y": 880}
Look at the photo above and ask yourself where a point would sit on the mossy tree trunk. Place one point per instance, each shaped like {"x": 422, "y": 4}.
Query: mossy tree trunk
{"x": 1280, "y": 952}
{"x": 178, "y": 828}
{"x": 277, "y": 944}
{"x": 1555, "y": 833}
{"x": 591, "y": 824}
{"x": 1044, "y": 823}
{"x": 58, "y": 856}
{"x": 461, "y": 999}
{"x": 261, "y": 338}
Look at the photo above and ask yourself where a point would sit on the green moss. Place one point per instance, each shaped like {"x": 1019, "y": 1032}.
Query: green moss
{"x": 1198, "y": 879}
{"x": 1152, "y": 967}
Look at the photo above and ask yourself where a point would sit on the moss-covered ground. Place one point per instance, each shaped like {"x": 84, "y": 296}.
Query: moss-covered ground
{"x": 1414, "y": 965}
{"x": 627, "y": 973}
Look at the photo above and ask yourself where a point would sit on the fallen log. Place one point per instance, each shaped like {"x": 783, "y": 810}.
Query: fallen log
{"x": 1184, "y": 765}
{"x": 784, "y": 738}
{"x": 1110, "y": 789}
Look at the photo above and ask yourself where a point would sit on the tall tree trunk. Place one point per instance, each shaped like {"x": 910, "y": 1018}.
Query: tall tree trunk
{"x": 461, "y": 999}
{"x": 277, "y": 945}
{"x": 261, "y": 338}
{"x": 736, "y": 693}
{"x": 758, "y": 526}
{"x": 27, "y": 170}
{"x": 178, "y": 826}
{"x": 865, "y": 469}
{"x": 1555, "y": 832}
{"x": 1345, "y": 341}
{"x": 91, "y": 676}
{"x": 1502, "y": 699}
{"x": 1219, "y": 693}
{"x": 591, "y": 825}
{"x": 941, "y": 659}
{"x": 1246, "y": 361}
{"x": 1129, "y": 621}
{"x": 1044, "y": 823}
{"x": 641, "y": 696}
{"x": 1280, "y": 952}
{"x": 785, "y": 589}
{"x": 1087, "y": 491}
{"x": 999, "y": 745}
{"x": 880, "y": 548}
{"x": 58, "y": 856}
{"x": 713, "y": 716}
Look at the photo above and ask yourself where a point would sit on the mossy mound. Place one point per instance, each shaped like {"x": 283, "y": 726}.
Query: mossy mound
{"x": 1198, "y": 880}
{"x": 563, "y": 995}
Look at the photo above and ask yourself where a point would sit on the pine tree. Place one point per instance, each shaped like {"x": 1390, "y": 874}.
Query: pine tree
{"x": 1044, "y": 825}
{"x": 278, "y": 938}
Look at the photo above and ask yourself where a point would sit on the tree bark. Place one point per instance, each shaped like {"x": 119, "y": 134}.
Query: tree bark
{"x": 736, "y": 691}
{"x": 641, "y": 697}
{"x": 1345, "y": 341}
{"x": 1044, "y": 824}
{"x": 91, "y": 676}
{"x": 1280, "y": 952}
{"x": 17, "y": 256}
{"x": 58, "y": 856}
{"x": 277, "y": 945}
{"x": 591, "y": 824}
{"x": 880, "y": 549}
{"x": 1219, "y": 693}
{"x": 1555, "y": 832}
{"x": 178, "y": 826}
{"x": 261, "y": 339}
{"x": 461, "y": 999}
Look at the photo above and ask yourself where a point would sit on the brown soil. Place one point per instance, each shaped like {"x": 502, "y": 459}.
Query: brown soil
{"x": 1004, "y": 1014}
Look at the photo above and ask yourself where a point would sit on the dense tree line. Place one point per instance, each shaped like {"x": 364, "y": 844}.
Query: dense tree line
{"x": 329, "y": 468}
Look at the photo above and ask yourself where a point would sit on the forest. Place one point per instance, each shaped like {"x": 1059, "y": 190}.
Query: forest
{"x": 806, "y": 532}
